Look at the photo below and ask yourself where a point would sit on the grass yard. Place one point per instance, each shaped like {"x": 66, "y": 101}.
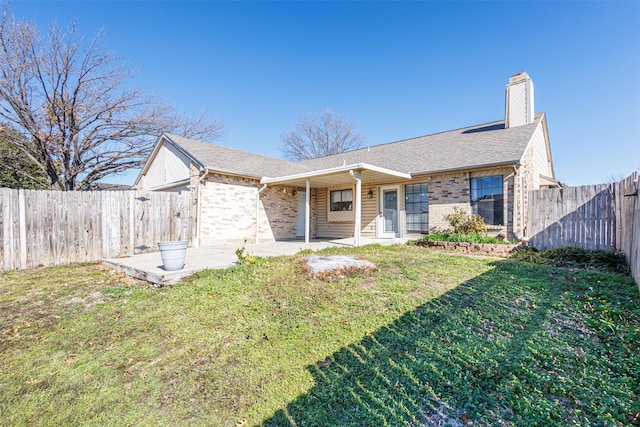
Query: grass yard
{"x": 428, "y": 339}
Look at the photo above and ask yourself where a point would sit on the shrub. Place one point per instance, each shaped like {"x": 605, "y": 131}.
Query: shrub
{"x": 463, "y": 222}
{"x": 245, "y": 257}
{"x": 463, "y": 238}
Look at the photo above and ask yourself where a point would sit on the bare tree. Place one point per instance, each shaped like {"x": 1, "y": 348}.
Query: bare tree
{"x": 318, "y": 137}
{"x": 72, "y": 100}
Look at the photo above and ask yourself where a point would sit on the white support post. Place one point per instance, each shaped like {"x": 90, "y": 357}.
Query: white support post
{"x": 358, "y": 208}
{"x": 307, "y": 215}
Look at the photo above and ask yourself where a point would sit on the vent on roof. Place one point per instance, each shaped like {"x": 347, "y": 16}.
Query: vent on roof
{"x": 519, "y": 101}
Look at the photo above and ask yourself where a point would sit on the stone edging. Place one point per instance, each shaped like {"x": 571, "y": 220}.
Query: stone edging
{"x": 472, "y": 248}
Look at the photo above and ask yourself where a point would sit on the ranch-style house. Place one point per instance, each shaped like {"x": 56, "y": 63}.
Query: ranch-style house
{"x": 399, "y": 189}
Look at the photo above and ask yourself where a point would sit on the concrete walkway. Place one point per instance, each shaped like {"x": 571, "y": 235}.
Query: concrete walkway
{"x": 148, "y": 266}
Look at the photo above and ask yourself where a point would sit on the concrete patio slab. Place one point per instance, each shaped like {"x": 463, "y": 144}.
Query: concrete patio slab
{"x": 148, "y": 266}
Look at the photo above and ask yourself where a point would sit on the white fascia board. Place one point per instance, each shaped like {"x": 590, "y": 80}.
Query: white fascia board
{"x": 170, "y": 185}
{"x": 332, "y": 171}
{"x": 183, "y": 151}
{"x": 467, "y": 168}
{"x": 396, "y": 174}
{"x": 230, "y": 172}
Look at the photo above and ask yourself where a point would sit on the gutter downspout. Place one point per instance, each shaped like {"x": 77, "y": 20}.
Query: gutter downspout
{"x": 523, "y": 212}
{"x": 258, "y": 210}
{"x": 307, "y": 211}
{"x": 358, "y": 178}
{"x": 199, "y": 207}
{"x": 514, "y": 213}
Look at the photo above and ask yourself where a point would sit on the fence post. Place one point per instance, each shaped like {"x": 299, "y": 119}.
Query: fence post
{"x": 132, "y": 237}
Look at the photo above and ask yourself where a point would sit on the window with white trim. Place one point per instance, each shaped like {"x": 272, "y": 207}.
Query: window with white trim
{"x": 341, "y": 200}
{"x": 416, "y": 205}
{"x": 487, "y": 199}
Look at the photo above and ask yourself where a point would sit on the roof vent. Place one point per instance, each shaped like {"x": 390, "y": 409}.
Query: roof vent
{"x": 519, "y": 101}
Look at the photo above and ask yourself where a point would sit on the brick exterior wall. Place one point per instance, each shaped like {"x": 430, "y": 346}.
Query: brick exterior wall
{"x": 453, "y": 190}
{"x": 313, "y": 203}
{"x": 228, "y": 205}
{"x": 228, "y": 211}
{"x": 510, "y": 202}
{"x": 278, "y": 213}
{"x": 194, "y": 175}
{"x": 446, "y": 192}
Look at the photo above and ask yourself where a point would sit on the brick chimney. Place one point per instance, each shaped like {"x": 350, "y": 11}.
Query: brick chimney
{"x": 519, "y": 100}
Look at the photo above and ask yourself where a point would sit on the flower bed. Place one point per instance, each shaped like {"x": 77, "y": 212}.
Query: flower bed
{"x": 474, "y": 248}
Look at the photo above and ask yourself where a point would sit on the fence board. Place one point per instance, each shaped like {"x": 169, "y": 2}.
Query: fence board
{"x": 604, "y": 217}
{"x": 45, "y": 228}
{"x": 573, "y": 216}
{"x": 634, "y": 248}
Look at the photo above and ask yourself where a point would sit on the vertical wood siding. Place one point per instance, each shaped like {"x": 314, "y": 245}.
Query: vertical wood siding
{"x": 46, "y": 228}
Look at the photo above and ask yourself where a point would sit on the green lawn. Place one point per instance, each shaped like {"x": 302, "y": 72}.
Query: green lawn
{"x": 429, "y": 338}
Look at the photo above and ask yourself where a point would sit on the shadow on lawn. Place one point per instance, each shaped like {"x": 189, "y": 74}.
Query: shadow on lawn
{"x": 487, "y": 351}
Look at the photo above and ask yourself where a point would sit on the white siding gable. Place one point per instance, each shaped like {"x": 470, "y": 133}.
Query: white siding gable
{"x": 540, "y": 157}
{"x": 169, "y": 165}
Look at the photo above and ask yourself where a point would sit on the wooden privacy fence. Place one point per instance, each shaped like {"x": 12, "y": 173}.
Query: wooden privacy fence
{"x": 573, "y": 216}
{"x": 604, "y": 217}
{"x": 46, "y": 228}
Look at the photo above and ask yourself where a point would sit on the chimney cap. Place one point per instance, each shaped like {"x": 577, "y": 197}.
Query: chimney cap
{"x": 519, "y": 77}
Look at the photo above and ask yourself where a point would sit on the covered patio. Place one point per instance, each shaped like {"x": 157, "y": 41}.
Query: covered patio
{"x": 335, "y": 177}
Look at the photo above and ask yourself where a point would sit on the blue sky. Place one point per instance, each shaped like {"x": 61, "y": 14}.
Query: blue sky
{"x": 396, "y": 69}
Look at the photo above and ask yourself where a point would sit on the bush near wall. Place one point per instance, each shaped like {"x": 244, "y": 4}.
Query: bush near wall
{"x": 472, "y": 248}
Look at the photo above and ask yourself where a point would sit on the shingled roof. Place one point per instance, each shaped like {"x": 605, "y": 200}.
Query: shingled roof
{"x": 477, "y": 146}
{"x": 236, "y": 162}
{"x": 484, "y": 145}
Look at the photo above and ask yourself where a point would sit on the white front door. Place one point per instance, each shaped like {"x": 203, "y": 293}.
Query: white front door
{"x": 302, "y": 203}
{"x": 388, "y": 212}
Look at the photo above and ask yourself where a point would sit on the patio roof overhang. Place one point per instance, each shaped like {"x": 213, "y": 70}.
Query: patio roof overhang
{"x": 338, "y": 176}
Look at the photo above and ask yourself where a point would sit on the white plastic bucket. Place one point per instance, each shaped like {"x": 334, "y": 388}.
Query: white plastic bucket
{"x": 173, "y": 254}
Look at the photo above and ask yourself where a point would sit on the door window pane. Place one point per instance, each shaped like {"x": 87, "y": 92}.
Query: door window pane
{"x": 390, "y": 203}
